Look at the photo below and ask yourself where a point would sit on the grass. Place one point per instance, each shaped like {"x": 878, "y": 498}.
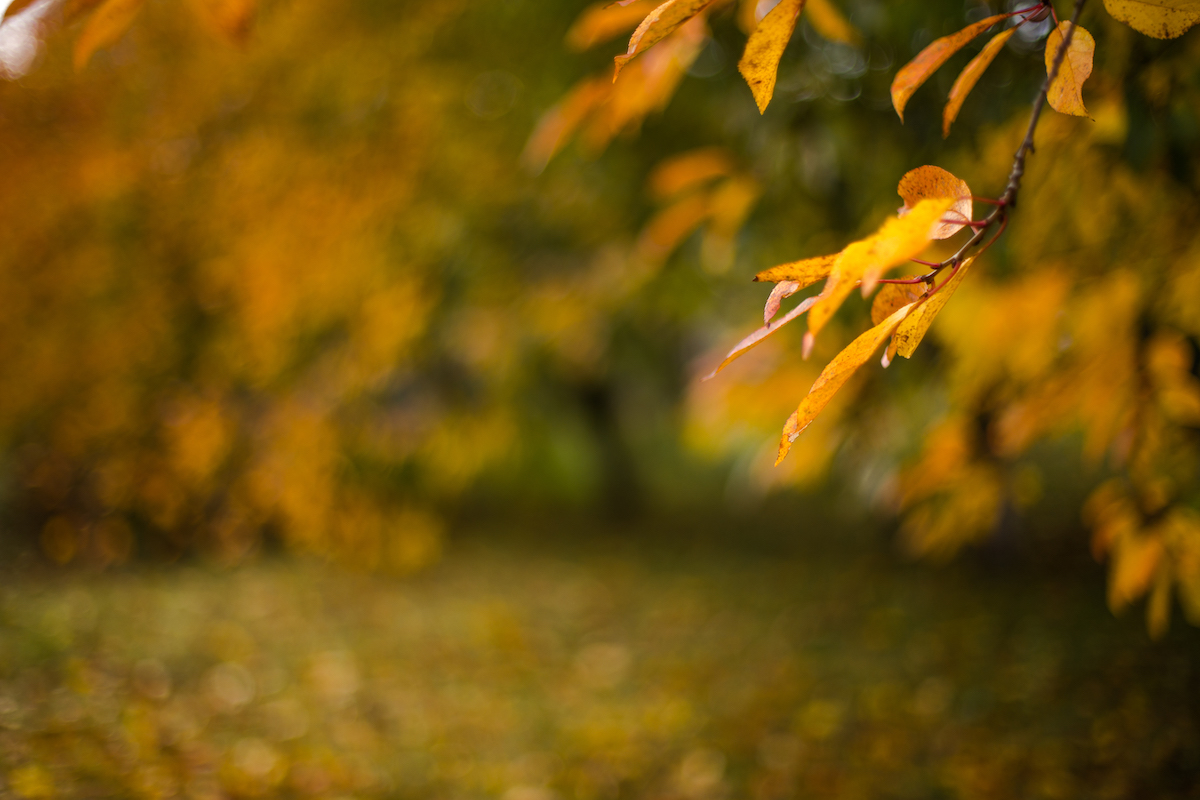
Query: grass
{"x": 604, "y": 669}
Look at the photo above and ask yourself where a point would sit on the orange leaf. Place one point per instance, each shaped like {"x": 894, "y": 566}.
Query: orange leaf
{"x": 925, "y": 182}
{"x": 659, "y": 24}
{"x": 1066, "y": 92}
{"x": 558, "y": 124}
{"x": 970, "y": 76}
{"x": 897, "y": 241}
{"x": 688, "y": 170}
{"x": 601, "y": 21}
{"x": 910, "y": 334}
{"x": 894, "y": 295}
{"x": 671, "y": 226}
{"x": 232, "y": 19}
{"x": 914, "y": 73}
{"x": 760, "y": 60}
{"x": 756, "y": 338}
{"x": 834, "y": 376}
{"x": 826, "y": 20}
{"x": 106, "y": 25}
{"x": 806, "y": 272}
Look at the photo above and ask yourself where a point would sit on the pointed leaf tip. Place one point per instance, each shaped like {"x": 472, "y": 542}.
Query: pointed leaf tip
{"x": 916, "y": 72}
{"x": 970, "y": 76}
{"x": 759, "y": 64}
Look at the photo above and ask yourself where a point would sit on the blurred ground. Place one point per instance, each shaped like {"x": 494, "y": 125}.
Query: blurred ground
{"x": 619, "y": 666}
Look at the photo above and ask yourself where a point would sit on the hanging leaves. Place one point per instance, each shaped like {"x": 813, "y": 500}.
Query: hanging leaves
{"x": 104, "y": 27}
{"x": 970, "y": 76}
{"x": 928, "y": 182}
{"x": 1162, "y": 19}
{"x": 601, "y": 21}
{"x": 913, "y": 330}
{"x": 895, "y": 243}
{"x": 658, "y": 25}
{"x": 916, "y": 72}
{"x": 894, "y": 295}
{"x": 1066, "y": 91}
{"x": 834, "y": 376}
{"x": 759, "y": 64}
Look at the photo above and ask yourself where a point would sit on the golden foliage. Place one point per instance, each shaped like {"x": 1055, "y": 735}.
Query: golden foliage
{"x": 760, "y": 61}
{"x": 910, "y": 77}
{"x": 1066, "y": 91}
{"x": 970, "y": 75}
{"x": 1162, "y": 19}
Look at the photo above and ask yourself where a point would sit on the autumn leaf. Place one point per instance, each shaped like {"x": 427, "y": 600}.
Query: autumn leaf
{"x": 671, "y": 226}
{"x": 834, "y": 376}
{"x": 106, "y": 25}
{"x": 929, "y": 181}
{"x": 601, "y": 21}
{"x": 916, "y": 72}
{"x": 894, "y": 295}
{"x": 659, "y": 24}
{"x": 759, "y": 64}
{"x": 1135, "y": 557}
{"x": 688, "y": 170}
{"x": 827, "y": 21}
{"x": 910, "y": 334}
{"x": 558, "y": 124}
{"x": 1162, "y": 19}
{"x": 782, "y": 290}
{"x": 895, "y": 243}
{"x": 805, "y": 272}
{"x": 1066, "y": 91}
{"x": 970, "y": 76}
{"x": 756, "y": 338}
{"x": 232, "y": 19}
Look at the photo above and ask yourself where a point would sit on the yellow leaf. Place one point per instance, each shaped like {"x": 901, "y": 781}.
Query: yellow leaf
{"x": 892, "y": 296}
{"x": 106, "y": 25}
{"x": 834, "y": 376}
{"x": 1135, "y": 559}
{"x": 895, "y": 243}
{"x": 669, "y": 227}
{"x": 688, "y": 170}
{"x": 1066, "y": 92}
{"x": 805, "y": 272}
{"x": 756, "y": 338}
{"x": 925, "y": 182}
{"x": 730, "y": 203}
{"x": 910, "y": 334}
{"x": 829, "y": 22}
{"x": 1162, "y": 19}
{"x": 970, "y": 76}
{"x": 603, "y": 20}
{"x": 760, "y": 60}
{"x": 558, "y": 124}
{"x": 658, "y": 24}
{"x": 916, "y": 72}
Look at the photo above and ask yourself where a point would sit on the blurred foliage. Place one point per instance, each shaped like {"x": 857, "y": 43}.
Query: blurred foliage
{"x": 275, "y": 273}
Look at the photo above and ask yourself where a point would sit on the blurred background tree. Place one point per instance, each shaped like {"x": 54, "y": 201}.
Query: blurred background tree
{"x": 275, "y": 273}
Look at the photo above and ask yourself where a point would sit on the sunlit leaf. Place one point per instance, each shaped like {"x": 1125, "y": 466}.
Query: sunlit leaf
{"x": 970, "y": 76}
{"x": 601, "y": 21}
{"x": 659, "y": 24}
{"x": 834, "y": 376}
{"x": 806, "y": 272}
{"x": 916, "y": 72}
{"x": 756, "y": 338}
{"x": 910, "y": 334}
{"x": 928, "y": 181}
{"x": 892, "y": 296}
{"x": 1066, "y": 92}
{"x": 1135, "y": 558}
{"x": 688, "y": 170}
{"x": 106, "y": 25}
{"x": 895, "y": 243}
{"x": 760, "y": 60}
{"x": 829, "y": 22}
{"x": 1162, "y": 19}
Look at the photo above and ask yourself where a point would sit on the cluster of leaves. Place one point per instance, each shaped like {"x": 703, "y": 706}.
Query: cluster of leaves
{"x": 1143, "y": 520}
